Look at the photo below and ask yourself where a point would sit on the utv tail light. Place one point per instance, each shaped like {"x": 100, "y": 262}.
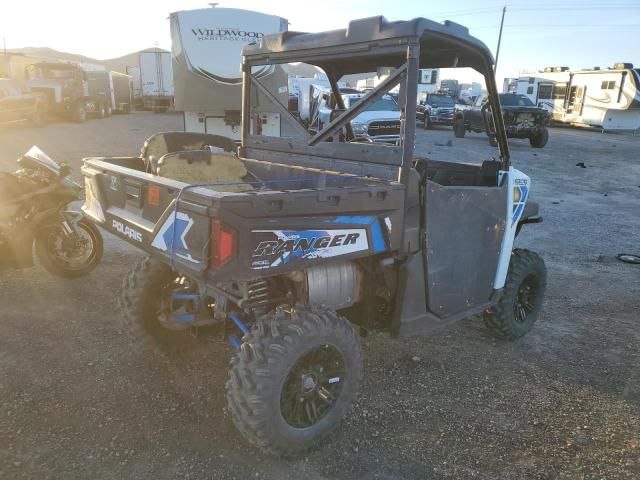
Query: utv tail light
{"x": 223, "y": 242}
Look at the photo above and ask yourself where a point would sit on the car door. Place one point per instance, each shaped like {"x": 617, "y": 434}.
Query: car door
{"x": 476, "y": 121}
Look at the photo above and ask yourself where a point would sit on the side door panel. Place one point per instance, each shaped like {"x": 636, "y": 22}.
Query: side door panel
{"x": 464, "y": 230}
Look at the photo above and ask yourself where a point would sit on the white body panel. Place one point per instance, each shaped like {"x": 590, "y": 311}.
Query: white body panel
{"x": 156, "y": 77}
{"x": 522, "y": 183}
{"x": 609, "y": 98}
{"x": 302, "y": 87}
{"x": 206, "y": 53}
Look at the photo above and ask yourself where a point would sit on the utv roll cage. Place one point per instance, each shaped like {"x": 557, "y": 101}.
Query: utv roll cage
{"x": 363, "y": 47}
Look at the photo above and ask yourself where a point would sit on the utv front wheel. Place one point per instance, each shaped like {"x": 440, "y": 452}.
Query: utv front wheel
{"x": 294, "y": 378}
{"x": 518, "y": 309}
{"x": 459, "y": 128}
{"x": 148, "y": 308}
{"x": 540, "y": 139}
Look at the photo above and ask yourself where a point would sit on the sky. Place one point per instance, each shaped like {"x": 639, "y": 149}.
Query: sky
{"x": 578, "y": 34}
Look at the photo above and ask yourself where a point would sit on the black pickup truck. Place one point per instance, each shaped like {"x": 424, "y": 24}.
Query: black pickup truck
{"x": 522, "y": 119}
{"x": 15, "y": 104}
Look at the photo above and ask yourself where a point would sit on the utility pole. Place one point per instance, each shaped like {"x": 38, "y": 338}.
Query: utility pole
{"x": 495, "y": 67}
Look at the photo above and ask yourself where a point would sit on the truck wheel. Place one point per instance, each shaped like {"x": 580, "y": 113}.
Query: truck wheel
{"x": 294, "y": 378}
{"x": 459, "y": 128}
{"x": 144, "y": 304}
{"x": 516, "y": 312}
{"x": 540, "y": 139}
{"x": 79, "y": 112}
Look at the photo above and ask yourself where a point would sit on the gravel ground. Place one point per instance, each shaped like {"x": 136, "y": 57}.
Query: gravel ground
{"x": 77, "y": 402}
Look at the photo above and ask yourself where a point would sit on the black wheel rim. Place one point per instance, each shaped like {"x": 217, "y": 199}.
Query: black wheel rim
{"x": 312, "y": 386}
{"x": 526, "y": 299}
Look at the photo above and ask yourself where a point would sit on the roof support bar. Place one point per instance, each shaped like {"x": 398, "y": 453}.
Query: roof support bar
{"x": 361, "y": 106}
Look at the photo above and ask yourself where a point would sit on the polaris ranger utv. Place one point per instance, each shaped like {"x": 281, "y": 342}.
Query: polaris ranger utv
{"x": 295, "y": 243}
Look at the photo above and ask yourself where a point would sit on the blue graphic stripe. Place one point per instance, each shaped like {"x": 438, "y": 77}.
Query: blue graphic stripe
{"x": 353, "y": 220}
{"x": 379, "y": 244}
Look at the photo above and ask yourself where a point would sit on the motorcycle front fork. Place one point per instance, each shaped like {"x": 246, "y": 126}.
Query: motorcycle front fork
{"x": 70, "y": 220}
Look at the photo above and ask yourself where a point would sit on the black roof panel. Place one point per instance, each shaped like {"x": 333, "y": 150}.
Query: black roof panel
{"x": 443, "y": 45}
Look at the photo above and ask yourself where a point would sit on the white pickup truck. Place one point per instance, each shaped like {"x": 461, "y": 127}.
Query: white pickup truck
{"x": 378, "y": 123}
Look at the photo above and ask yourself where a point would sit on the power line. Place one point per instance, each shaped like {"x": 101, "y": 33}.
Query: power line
{"x": 541, "y": 25}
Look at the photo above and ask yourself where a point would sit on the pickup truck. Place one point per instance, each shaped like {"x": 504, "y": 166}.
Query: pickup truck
{"x": 522, "y": 119}
{"x": 15, "y": 104}
{"x": 435, "y": 109}
{"x": 295, "y": 241}
{"x": 378, "y": 123}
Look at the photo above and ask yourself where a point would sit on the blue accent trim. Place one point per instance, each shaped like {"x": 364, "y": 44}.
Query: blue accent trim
{"x": 189, "y": 318}
{"x": 241, "y": 326}
{"x": 186, "y": 296}
{"x": 353, "y": 220}
{"x": 235, "y": 342}
{"x": 379, "y": 245}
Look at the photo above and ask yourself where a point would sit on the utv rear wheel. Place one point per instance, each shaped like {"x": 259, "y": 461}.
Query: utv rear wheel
{"x": 427, "y": 123}
{"x": 146, "y": 307}
{"x": 294, "y": 378}
{"x": 520, "y": 305}
{"x": 102, "y": 111}
{"x": 458, "y": 127}
{"x": 540, "y": 139}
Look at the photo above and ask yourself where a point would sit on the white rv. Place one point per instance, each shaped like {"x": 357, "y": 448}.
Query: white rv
{"x": 206, "y": 50}
{"x": 606, "y": 98}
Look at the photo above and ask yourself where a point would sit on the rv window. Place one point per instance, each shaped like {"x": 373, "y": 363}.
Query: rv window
{"x": 608, "y": 85}
{"x": 544, "y": 92}
{"x": 559, "y": 92}
{"x": 529, "y": 90}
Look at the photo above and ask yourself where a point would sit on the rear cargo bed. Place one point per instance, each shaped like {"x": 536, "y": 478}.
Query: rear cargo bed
{"x": 280, "y": 203}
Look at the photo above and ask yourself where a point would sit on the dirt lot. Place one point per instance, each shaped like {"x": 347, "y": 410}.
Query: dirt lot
{"x": 76, "y": 402}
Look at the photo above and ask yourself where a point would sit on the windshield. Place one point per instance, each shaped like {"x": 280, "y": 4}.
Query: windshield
{"x": 511, "y": 100}
{"x": 56, "y": 72}
{"x": 382, "y": 105}
{"x": 440, "y": 101}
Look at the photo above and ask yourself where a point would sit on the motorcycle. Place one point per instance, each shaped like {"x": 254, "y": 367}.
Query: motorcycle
{"x": 33, "y": 212}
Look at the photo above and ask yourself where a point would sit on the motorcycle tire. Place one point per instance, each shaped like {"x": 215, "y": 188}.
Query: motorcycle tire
{"x": 60, "y": 267}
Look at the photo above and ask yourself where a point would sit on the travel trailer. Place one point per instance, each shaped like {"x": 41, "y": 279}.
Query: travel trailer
{"x": 605, "y": 98}
{"x": 207, "y": 52}
{"x": 156, "y": 80}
